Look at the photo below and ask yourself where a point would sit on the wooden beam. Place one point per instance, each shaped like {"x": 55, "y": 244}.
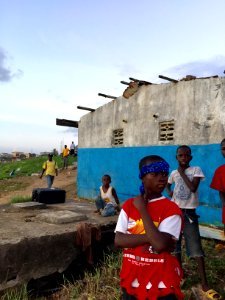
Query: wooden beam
{"x": 68, "y": 123}
{"x": 140, "y": 82}
{"x": 86, "y": 108}
{"x": 106, "y": 96}
{"x": 168, "y": 78}
{"x": 124, "y": 82}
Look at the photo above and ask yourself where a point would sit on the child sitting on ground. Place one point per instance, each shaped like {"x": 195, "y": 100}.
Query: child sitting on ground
{"x": 146, "y": 229}
{"x": 107, "y": 202}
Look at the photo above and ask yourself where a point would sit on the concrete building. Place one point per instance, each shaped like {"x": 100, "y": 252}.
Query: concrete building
{"x": 155, "y": 120}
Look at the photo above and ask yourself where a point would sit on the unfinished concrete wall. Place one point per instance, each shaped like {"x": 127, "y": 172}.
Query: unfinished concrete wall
{"x": 197, "y": 108}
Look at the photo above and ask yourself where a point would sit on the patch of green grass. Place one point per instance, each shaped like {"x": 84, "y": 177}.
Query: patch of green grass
{"x": 15, "y": 294}
{"x": 21, "y": 199}
{"x": 11, "y": 185}
{"x": 214, "y": 265}
{"x": 28, "y": 166}
{"x": 104, "y": 282}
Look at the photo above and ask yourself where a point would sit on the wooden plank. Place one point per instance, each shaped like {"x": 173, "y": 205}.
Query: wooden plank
{"x": 212, "y": 233}
{"x": 68, "y": 123}
{"x": 86, "y": 108}
{"x": 106, "y": 96}
{"x": 124, "y": 82}
{"x": 168, "y": 78}
{"x": 140, "y": 82}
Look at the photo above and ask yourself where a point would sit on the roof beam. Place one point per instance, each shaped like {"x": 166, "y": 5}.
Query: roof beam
{"x": 68, "y": 123}
{"x": 168, "y": 78}
{"x": 86, "y": 108}
{"x": 106, "y": 96}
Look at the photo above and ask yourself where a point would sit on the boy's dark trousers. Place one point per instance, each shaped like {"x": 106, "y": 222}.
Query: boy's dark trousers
{"x": 129, "y": 297}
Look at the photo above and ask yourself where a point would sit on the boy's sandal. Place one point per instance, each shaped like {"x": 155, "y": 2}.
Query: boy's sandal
{"x": 204, "y": 295}
{"x": 212, "y": 294}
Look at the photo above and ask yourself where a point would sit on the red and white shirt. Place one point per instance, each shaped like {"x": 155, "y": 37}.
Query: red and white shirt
{"x": 145, "y": 274}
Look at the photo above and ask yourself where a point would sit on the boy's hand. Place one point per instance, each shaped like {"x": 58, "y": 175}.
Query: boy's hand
{"x": 140, "y": 202}
{"x": 170, "y": 194}
{"x": 181, "y": 170}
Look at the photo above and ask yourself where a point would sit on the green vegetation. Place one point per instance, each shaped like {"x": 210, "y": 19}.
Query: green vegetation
{"x": 26, "y": 167}
{"x": 20, "y": 199}
{"x": 103, "y": 283}
{"x": 11, "y": 184}
{"x": 16, "y": 294}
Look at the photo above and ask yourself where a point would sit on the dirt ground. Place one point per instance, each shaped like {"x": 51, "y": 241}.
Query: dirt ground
{"x": 23, "y": 186}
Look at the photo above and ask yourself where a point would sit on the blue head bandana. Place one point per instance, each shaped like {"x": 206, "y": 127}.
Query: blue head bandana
{"x": 155, "y": 167}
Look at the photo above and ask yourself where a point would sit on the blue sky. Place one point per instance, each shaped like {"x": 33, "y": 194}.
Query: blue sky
{"x": 56, "y": 55}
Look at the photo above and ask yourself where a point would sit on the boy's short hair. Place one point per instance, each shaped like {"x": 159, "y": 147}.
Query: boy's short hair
{"x": 184, "y": 147}
{"x": 106, "y": 175}
{"x": 145, "y": 160}
{"x": 223, "y": 141}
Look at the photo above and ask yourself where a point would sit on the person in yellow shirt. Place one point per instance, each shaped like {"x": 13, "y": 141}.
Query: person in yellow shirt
{"x": 65, "y": 155}
{"x": 50, "y": 169}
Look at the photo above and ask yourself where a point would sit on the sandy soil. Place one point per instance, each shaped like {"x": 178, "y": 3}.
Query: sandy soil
{"x": 23, "y": 186}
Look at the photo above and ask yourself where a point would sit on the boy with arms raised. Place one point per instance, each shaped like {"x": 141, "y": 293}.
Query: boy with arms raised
{"x": 185, "y": 194}
{"x": 146, "y": 229}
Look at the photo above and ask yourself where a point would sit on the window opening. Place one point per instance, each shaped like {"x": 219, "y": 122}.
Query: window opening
{"x": 118, "y": 137}
{"x": 166, "y": 130}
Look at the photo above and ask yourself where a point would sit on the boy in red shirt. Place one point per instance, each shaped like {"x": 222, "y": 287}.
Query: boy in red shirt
{"x": 146, "y": 229}
{"x": 218, "y": 182}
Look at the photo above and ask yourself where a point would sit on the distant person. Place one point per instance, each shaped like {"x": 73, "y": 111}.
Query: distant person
{"x": 218, "y": 182}
{"x": 185, "y": 194}
{"x": 50, "y": 169}
{"x": 146, "y": 229}
{"x": 72, "y": 149}
{"x": 107, "y": 202}
{"x": 65, "y": 156}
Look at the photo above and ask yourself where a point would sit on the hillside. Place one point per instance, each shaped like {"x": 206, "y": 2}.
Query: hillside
{"x": 23, "y": 185}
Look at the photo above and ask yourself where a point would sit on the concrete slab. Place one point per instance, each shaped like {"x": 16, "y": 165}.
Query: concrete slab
{"x": 61, "y": 217}
{"x": 28, "y": 205}
{"x": 33, "y": 248}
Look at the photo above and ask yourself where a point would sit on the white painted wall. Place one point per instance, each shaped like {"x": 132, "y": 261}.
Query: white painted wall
{"x": 196, "y": 106}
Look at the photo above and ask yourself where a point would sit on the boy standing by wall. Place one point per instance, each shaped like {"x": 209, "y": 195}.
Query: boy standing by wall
{"x": 218, "y": 182}
{"x": 146, "y": 229}
{"x": 185, "y": 195}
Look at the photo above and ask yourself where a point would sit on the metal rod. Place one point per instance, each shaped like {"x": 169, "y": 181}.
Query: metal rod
{"x": 106, "y": 96}
{"x": 167, "y": 78}
{"x": 86, "y": 108}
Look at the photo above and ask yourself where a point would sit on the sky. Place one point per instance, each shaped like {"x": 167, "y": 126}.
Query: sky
{"x": 57, "y": 55}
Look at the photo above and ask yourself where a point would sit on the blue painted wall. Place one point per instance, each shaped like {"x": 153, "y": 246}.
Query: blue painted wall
{"x": 122, "y": 165}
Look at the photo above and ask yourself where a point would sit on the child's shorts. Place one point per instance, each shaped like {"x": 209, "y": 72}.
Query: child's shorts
{"x": 191, "y": 233}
